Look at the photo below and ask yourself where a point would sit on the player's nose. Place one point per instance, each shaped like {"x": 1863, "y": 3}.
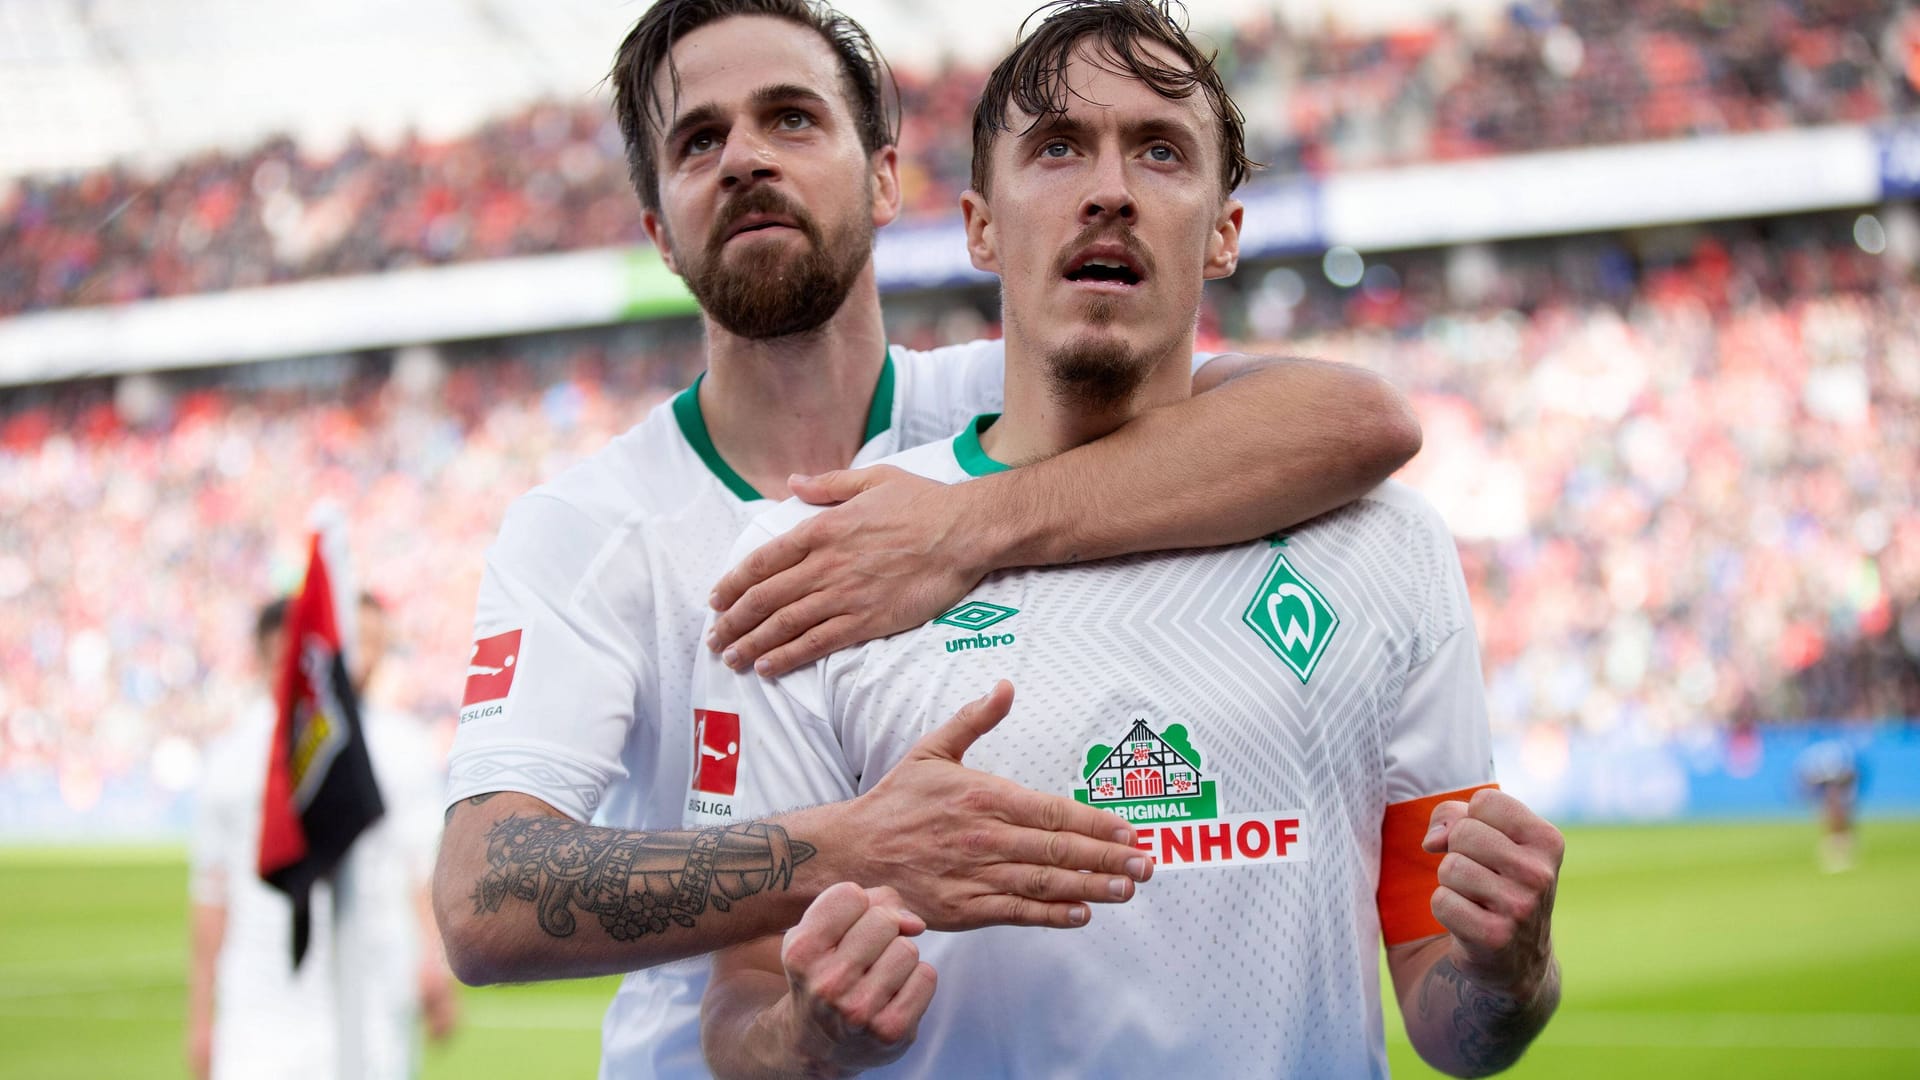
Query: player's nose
{"x": 747, "y": 158}
{"x": 1108, "y": 193}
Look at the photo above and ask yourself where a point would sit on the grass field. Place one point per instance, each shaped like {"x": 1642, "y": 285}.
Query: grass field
{"x": 1690, "y": 951}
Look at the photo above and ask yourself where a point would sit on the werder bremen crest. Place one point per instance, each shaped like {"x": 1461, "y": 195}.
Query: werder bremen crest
{"x": 1292, "y": 617}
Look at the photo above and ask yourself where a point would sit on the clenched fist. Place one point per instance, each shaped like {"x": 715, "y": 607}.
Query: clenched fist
{"x": 857, "y": 987}
{"x": 1496, "y": 889}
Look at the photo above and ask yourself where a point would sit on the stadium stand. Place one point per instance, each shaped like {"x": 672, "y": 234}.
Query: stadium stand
{"x": 1685, "y": 488}
{"x": 550, "y": 177}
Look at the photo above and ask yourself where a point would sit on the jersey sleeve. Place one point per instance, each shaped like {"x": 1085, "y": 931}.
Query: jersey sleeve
{"x": 944, "y": 388}
{"x": 761, "y": 746}
{"x": 1439, "y": 747}
{"x": 555, "y": 674}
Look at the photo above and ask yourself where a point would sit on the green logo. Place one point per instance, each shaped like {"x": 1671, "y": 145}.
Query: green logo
{"x": 977, "y": 615}
{"x": 1149, "y": 776}
{"x": 1292, "y": 617}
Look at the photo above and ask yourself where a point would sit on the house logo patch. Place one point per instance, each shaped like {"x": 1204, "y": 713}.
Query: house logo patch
{"x": 490, "y": 676}
{"x": 1154, "y": 779}
{"x": 977, "y": 615}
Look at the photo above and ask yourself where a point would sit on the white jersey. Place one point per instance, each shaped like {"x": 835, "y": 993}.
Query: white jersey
{"x": 1277, "y": 719}
{"x": 591, "y": 611}
{"x": 271, "y": 1021}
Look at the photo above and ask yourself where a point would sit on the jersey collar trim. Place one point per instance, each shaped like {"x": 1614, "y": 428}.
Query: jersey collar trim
{"x": 693, "y": 425}
{"x": 968, "y": 452}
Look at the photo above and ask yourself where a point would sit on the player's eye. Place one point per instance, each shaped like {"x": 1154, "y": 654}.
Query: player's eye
{"x": 1163, "y": 152}
{"x": 1055, "y": 149}
{"x": 700, "y": 142}
{"x": 795, "y": 120}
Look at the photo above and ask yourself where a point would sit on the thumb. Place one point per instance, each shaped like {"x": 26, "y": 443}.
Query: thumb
{"x": 1444, "y": 815}
{"x": 951, "y": 740}
{"x": 828, "y": 488}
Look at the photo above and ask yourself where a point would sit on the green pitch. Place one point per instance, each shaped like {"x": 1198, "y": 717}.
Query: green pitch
{"x": 1690, "y": 951}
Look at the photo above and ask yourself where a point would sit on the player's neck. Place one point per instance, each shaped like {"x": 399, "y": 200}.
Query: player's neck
{"x": 798, "y": 404}
{"x": 1039, "y": 421}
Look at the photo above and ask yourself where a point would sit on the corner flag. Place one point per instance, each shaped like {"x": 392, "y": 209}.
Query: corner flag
{"x": 320, "y": 792}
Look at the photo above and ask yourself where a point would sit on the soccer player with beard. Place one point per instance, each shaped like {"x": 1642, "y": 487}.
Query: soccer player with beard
{"x": 761, "y": 147}
{"x": 1296, "y": 726}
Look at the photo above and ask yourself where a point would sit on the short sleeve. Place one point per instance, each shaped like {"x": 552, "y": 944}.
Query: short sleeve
{"x": 554, "y": 674}
{"x": 946, "y": 387}
{"x": 761, "y": 746}
{"x": 1439, "y": 746}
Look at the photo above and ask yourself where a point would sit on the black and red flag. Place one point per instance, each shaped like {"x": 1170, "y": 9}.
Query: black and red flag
{"x": 320, "y": 792}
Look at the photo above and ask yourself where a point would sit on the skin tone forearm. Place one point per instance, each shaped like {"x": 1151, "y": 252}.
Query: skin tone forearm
{"x": 523, "y": 892}
{"x": 1463, "y": 1025}
{"x": 1226, "y": 466}
{"x": 1474, "y": 997}
{"x": 1242, "y": 458}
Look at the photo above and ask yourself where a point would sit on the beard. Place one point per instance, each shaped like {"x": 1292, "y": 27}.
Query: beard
{"x": 779, "y": 297}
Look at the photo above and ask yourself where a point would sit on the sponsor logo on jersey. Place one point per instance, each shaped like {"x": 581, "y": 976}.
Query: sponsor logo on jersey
{"x": 977, "y": 615}
{"x": 1153, "y": 779}
{"x": 490, "y": 676}
{"x": 716, "y": 755}
{"x": 1292, "y": 618}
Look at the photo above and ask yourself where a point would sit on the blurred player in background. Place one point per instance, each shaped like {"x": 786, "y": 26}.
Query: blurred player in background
{"x": 1829, "y": 770}
{"x": 761, "y": 144}
{"x": 250, "y": 1013}
{"x": 1297, "y": 725}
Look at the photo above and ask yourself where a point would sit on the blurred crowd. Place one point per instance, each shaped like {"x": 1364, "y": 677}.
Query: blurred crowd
{"x": 1553, "y": 73}
{"x": 1687, "y": 491}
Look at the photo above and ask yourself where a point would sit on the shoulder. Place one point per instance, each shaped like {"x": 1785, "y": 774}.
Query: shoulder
{"x": 1409, "y": 508}
{"x": 950, "y": 358}
{"x": 932, "y": 460}
{"x": 556, "y": 531}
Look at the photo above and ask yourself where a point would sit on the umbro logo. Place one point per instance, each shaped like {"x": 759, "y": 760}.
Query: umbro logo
{"x": 977, "y": 615}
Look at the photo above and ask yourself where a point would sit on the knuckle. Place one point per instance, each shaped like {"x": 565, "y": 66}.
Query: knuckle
{"x": 976, "y": 842}
{"x": 979, "y": 799}
{"x": 1038, "y": 884}
{"x": 1058, "y": 849}
{"x": 1525, "y": 907}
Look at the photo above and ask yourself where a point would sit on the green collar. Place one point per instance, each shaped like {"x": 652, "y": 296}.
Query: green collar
{"x": 967, "y": 450}
{"x": 693, "y": 425}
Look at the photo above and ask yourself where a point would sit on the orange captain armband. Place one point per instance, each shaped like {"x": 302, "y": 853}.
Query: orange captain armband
{"x": 1408, "y": 874}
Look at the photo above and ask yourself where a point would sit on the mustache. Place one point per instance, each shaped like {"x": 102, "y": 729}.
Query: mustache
{"x": 760, "y": 199}
{"x": 1108, "y": 230}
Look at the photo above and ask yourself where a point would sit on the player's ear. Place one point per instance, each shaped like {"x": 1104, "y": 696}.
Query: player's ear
{"x": 1223, "y": 245}
{"x": 885, "y": 166}
{"x": 981, "y": 239}
{"x": 656, "y": 231}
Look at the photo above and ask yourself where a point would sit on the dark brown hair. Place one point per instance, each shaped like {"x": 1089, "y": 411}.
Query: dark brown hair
{"x": 872, "y": 96}
{"x": 1034, "y": 76}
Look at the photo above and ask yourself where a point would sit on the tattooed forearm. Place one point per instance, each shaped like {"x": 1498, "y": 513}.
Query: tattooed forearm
{"x": 634, "y": 883}
{"x": 1490, "y": 1029}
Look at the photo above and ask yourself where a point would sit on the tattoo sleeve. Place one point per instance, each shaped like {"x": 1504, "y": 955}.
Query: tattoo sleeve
{"x": 1490, "y": 1029}
{"x": 633, "y": 883}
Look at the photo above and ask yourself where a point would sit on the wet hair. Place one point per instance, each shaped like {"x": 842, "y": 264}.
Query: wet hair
{"x": 872, "y": 95}
{"x": 1033, "y": 77}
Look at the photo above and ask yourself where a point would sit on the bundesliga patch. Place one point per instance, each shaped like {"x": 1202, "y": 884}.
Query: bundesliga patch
{"x": 1153, "y": 779}
{"x": 490, "y": 676}
{"x": 716, "y": 763}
